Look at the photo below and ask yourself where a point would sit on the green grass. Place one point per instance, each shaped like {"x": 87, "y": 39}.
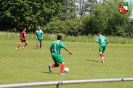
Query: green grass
{"x": 32, "y": 65}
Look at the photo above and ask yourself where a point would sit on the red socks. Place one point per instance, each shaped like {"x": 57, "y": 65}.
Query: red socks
{"x": 62, "y": 68}
{"x": 25, "y": 44}
{"x": 54, "y": 65}
{"x": 37, "y": 45}
{"x": 102, "y": 55}
{"x": 18, "y": 45}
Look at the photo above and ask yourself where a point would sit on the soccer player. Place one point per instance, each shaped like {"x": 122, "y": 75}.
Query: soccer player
{"x": 102, "y": 40}
{"x": 23, "y": 39}
{"x": 55, "y": 53}
{"x": 39, "y": 37}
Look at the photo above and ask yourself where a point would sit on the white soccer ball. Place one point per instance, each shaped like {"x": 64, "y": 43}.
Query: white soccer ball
{"x": 66, "y": 69}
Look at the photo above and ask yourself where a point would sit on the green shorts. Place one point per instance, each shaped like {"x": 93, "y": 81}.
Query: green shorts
{"x": 38, "y": 40}
{"x": 102, "y": 48}
{"x": 57, "y": 58}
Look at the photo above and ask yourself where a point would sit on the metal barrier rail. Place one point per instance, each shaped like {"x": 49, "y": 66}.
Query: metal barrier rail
{"x": 59, "y": 83}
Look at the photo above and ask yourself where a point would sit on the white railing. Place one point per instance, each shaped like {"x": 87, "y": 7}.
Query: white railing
{"x": 59, "y": 83}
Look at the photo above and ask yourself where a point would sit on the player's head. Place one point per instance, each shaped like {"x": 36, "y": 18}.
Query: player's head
{"x": 59, "y": 37}
{"x": 99, "y": 33}
{"x": 39, "y": 28}
{"x": 24, "y": 29}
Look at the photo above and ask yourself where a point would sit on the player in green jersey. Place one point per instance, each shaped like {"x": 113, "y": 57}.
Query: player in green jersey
{"x": 39, "y": 37}
{"x": 55, "y": 53}
{"x": 102, "y": 40}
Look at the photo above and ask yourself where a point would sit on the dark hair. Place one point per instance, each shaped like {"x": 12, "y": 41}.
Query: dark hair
{"x": 59, "y": 37}
{"x": 100, "y": 32}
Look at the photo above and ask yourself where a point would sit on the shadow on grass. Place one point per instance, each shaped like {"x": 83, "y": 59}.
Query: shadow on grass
{"x": 50, "y": 73}
{"x": 92, "y": 60}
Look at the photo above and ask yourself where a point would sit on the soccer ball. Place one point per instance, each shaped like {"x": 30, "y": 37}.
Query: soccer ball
{"x": 66, "y": 69}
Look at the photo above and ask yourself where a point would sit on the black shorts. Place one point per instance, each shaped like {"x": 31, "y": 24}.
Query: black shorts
{"x": 23, "y": 41}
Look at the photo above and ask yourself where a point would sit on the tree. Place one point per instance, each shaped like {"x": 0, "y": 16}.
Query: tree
{"x": 105, "y": 19}
{"x": 17, "y": 14}
{"x": 71, "y": 27}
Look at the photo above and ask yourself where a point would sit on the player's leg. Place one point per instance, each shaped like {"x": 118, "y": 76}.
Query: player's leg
{"x": 40, "y": 43}
{"x": 101, "y": 53}
{"x": 19, "y": 45}
{"x": 37, "y": 43}
{"x": 56, "y": 63}
{"x": 62, "y": 65}
{"x": 25, "y": 44}
{"x": 62, "y": 68}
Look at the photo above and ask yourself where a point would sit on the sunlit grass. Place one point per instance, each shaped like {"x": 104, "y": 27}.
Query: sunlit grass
{"x": 31, "y": 65}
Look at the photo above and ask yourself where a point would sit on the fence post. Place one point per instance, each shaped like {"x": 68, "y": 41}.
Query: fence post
{"x": 127, "y": 40}
{"x": 8, "y": 34}
{"x": 59, "y": 85}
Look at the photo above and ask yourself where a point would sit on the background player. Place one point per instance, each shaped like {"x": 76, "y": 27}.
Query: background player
{"x": 39, "y": 37}
{"x": 102, "y": 40}
{"x": 23, "y": 39}
{"x": 55, "y": 52}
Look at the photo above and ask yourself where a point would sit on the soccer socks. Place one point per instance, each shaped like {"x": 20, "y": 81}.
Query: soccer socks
{"x": 37, "y": 45}
{"x": 18, "y": 45}
{"x": 40, "y": 45}
{"x": 102, "y": 55}
{"x": 62, "y": 68}
{"x": 25, "y": 45}
{"x": 54, "y": 65}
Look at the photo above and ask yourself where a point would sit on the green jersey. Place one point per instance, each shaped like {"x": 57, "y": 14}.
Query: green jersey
{"x": 102, "y": 40}
{"x": 39, "y": 34}
{"x": 56, "y": 47}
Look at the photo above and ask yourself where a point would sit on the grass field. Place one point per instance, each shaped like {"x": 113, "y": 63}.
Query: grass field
{"x": 31, "y": 65}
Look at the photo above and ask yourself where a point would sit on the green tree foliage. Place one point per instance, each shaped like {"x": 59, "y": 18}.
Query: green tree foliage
{"x": 67, "y": 10}
{"x": 60, "y": 16}
{"x": 67, "y": 27}
{"x": 17, "y": 14}
{"x": 105, "y": 19}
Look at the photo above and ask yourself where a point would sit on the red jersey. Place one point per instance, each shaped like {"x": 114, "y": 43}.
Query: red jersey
{"x": 23, "y": 35}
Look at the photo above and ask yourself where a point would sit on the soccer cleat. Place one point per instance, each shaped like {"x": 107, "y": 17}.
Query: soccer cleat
{"x": 50, "y": 68}
{"x": 102, "y": 60}
{"x": 24, "y": 48}
{"x": 16, "y": 49}
{"x": 63, "y": 74}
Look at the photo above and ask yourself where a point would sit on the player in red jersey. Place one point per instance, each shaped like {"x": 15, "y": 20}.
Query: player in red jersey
{"x": 23, "y": 39}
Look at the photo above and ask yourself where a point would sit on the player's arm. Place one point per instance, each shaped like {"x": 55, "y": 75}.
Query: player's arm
{"x": 36, "y": 34}
{"x": 26, "y": 36}
{"x": 63, "y": 46}
{"x": 50, "y": 50}
{"x": 42, "y": 35}
{"x": 68, "y": 50}
{"x": 106, "y": 43}
{"x": 97, "y": 40}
